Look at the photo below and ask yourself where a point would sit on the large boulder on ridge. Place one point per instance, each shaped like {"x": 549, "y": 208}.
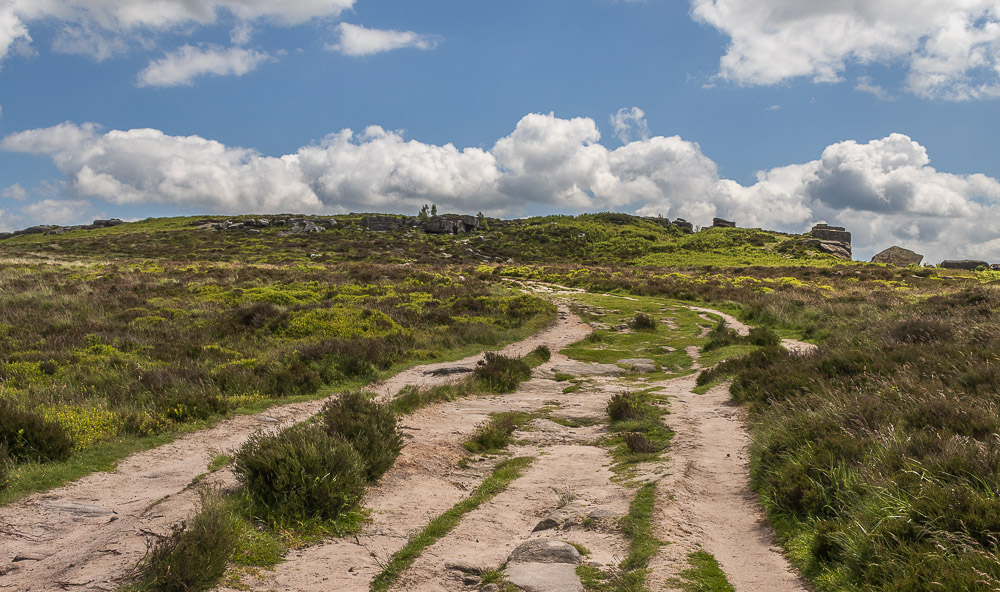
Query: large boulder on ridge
{"x": 898, "y": 256}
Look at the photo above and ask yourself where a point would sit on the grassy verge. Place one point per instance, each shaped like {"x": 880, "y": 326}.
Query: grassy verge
{"x": 504, "y": 473}
{"x": 704, "y": 575}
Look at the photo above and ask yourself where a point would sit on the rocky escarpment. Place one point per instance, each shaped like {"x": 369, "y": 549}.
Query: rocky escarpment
{"x": 56, "y": 229}
{"x": 834, "y": 240}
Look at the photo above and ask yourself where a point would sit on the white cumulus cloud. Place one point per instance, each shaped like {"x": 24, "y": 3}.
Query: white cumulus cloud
{"x": 630, "y": 124}
{"x": 357, "y": 40}
{"x": 15, "y": 191}
{"x": 885, "y": 190}
{"x": 102, "y": 28}
{"x": 951, "y": 47}
{"x": 187, "y": 63}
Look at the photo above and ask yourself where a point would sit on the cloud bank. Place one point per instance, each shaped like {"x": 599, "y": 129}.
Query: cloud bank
{"x": 950, "y": 47}
{"x": 884, "y": 190}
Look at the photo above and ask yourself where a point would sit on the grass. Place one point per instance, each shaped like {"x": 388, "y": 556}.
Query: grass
{"x": 637, "y": 432}
{"x": 704, "y": 575}
{"x": 504, "y": 473}
{"x": 637, "y": 526}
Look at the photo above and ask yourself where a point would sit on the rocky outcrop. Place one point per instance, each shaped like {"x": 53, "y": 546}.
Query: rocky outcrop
{"x": 833, "y": 240}
{"x": 382, "y": 223}
{"x": 722, "y": 223}
{"x": 969, "y": 264}
{"x": 898, "y": 256}
{"x": 684, "y": 225}
{"x": 56, "y": 229}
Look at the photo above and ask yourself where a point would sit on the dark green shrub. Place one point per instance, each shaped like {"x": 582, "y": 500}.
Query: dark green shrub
{"x": 721, "y": 336}
{"x": 28, "y": 436}
{"x": 5, "y": 466}
{"x": 501, "y": 374}
{"x": 624, "y": 406}
{"x": 295, "y": 378}
{"x": 301, "y": 473}
{"x": 370, "y": 427}
{"x": 827, "y": 544}
{"x": 638, "y": 442}
{"x": 642, "y": 322}
{"x": 763, "y": 337}
{"x": 257, "y": 315}
{"x": 921, "y": 330}
{"x": 191, "y": 402}
{"x": 492, "y": 435}
{"x": 538, "y": 356}
{"x": 191, "y": 559}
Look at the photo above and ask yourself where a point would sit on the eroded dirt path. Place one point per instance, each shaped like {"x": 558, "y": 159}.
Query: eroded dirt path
{"x": 85, "y": 535}
{"x": 705, "y": 499}
{"x": 569, "y": 482}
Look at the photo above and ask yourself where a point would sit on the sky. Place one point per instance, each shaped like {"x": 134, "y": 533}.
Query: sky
{"x": 881, "y": 117}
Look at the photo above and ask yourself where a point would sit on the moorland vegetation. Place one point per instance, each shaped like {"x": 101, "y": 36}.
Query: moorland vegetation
{"x": 877, "y": 457}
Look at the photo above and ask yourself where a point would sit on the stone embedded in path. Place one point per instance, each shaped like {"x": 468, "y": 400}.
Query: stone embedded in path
{"x": 79, "y": 509}
{"x": 544, "y": 565}
{"x": 545, "y": 551}
{"x": 582, "y": 369}
{"x": 644, "y": 365}
{"x": 544, "y": 577}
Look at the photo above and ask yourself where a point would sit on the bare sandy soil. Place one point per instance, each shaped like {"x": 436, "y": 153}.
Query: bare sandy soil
{"x": 705, "y": 499}
{"x": 85, "y": 535}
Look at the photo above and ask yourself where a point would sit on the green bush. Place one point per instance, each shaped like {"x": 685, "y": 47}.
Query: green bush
{"x": 642, "y": 322}
{"x": 370, "y": 427}
{"x": 28, "y": 436}
{"x": 301, "y": 473}
{"x": 638, "y": 442}
{"x": 624, "y": 406}
{"x": 501, "y": 374}
{"x": 538, "y": 356}
{"x": 721, "y": 336}
{"x": 763, "y": 337}
{"x": 5, "y": 464}
{"x": 191, "y": 559}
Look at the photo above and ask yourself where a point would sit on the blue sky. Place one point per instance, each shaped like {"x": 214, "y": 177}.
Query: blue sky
{"x": 880, "y": 117}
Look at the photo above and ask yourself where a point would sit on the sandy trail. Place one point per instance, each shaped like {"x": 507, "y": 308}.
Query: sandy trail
{"x": 86, "y": 535}
{"x": 705, "y": 499}
{"x": 427, "y": 480}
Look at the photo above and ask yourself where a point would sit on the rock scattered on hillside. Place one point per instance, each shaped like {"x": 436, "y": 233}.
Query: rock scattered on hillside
{"x": 969, "y": 264}
{"x": 898, "y": 256}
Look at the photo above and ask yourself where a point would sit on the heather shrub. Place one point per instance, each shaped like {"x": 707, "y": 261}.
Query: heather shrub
{"x": 5, "y": 466}
{"x": 370, "y": 427}
{"x": 501, "y": 374}
{"x": 538, "y": 356}
{"x": 642, "y": 322}
{"x": 638, "y": 442}
{"x": 624, "y": 406}
{"x": 191, "y": 559}
{"x": 301, "y": 473}
{"x": 28, "y": 436}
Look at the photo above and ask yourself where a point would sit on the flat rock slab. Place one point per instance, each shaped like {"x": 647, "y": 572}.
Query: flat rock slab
{"x": 588, "y": 369}
{"x": 545, "y": 551}
{"x": 79, "y": 509}
{"x": 544, "y": 577}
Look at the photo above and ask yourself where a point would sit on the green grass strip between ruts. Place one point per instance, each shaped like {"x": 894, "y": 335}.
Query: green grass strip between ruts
{"x": 502, "y": 476}
{"x": 704, "y": 575}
